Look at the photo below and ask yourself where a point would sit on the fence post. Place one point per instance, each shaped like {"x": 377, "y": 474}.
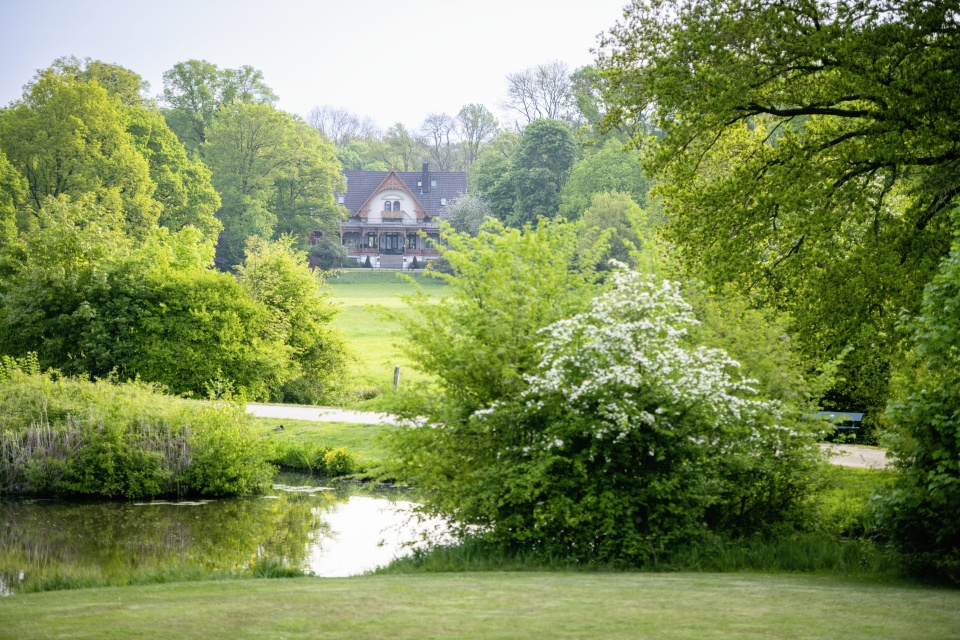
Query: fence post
{"x": 396, "y": 377}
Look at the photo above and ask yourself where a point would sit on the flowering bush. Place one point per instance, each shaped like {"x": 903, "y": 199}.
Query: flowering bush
{"x": 627, "y": 440}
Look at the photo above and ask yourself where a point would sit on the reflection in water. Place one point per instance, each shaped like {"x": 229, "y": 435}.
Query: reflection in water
{"x": 328, "y": 531}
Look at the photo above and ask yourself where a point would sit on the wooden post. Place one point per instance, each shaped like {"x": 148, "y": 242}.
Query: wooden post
{"x": 396, "y": 377}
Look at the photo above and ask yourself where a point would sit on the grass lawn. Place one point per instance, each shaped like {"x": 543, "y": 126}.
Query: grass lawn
{"x": 360, "y": 439}
{"x": 494, "y": 605}
{"x": 372, "y": 336}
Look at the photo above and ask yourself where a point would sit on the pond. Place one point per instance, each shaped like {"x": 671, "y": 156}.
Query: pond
{"x": 330, "y": 530}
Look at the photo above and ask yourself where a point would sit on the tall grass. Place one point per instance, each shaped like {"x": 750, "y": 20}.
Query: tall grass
{"x": 69, "y": 436}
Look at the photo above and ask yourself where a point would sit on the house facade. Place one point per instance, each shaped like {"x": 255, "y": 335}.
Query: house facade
{"x": 393, "y": 217}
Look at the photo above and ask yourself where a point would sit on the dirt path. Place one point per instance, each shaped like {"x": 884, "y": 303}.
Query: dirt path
{"x": 845, "y": 455}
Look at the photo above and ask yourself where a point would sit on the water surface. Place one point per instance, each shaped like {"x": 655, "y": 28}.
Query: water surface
{"x": 329, "y": 530}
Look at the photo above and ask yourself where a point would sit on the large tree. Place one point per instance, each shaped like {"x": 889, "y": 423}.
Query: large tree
{"x": 69, "y": 136}
{"x": 540, "y": 92}
{"x": 195, "y": 89}
{"x": 810, "y": 151}
{"x": 539, "y": 168}
{"x": 65, "y": 123}
{"x": 609, "y": 168}
{"x": 274, "y": 174}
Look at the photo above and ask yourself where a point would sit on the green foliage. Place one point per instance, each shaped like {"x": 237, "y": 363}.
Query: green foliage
{"x": 183, "y": 185}
{"x": 467, "y": 213}
{"x": 274, "y": 174}
{"x": 482, "y": 337}
{"x": 87, "y": 299}
{"x": 539, "y": 169}
{"x": 601, "y": 435}
{"x": 920, "y": 511}
{"x": 327, "y": 254}
{"x": 67, "y": 136}
{"x": 277, "y": 276}
{"x": 489, "y": 176}
{"x": 196, "y": 89}
{"x": 611, "y": 230}
{"x": 49, "y": 275}
{"x": 315, "y": 459}
{"x": 807, "y": 153}
{"x": 609, "y": 168}
{"x": 227, "y": 457}
{"x": 68, "y": 436}
{"x": 70, "y": 121}
{"x": 13, "y": 192}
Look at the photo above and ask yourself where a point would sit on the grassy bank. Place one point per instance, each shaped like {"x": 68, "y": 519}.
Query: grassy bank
{"x": 494, "y": 605}
{"x": 373, "y": 337}
{"x": 361, "y": 442}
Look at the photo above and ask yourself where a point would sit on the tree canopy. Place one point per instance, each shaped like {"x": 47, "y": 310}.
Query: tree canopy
{"x": 809, "y": 152}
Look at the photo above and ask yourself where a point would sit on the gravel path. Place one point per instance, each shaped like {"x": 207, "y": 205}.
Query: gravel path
{"x": 845, "y": 455}
{"x": 318, "y": 414}
{"x": 851, "y": 455}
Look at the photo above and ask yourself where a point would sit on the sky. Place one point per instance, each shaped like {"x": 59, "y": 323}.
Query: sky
{"x": 392, "y": 61}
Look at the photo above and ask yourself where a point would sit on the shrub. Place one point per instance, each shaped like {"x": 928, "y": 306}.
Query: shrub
{"x": 68, "y": 436}
{"x": 316, "y": 459}
{"x": 623, "y": 440}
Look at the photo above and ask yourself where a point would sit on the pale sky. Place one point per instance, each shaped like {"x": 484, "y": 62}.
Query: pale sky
{"x": 392, "y": 61}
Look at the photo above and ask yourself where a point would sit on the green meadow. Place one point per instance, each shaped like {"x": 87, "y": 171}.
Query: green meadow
{"x": 365, "y": 296}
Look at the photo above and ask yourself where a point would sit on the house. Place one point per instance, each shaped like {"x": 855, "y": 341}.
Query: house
{"x": 393, "y": 217}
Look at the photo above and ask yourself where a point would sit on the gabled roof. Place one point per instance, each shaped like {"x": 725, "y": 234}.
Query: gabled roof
{"x": 391, "y": 182}
{"x": 361, "y": 185}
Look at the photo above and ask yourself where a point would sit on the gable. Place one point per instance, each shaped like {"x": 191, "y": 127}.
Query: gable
{"x": 392, "y": 183}
{"x": 443, "y": 189}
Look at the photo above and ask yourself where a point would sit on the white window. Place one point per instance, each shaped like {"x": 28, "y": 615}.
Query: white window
{"x": 443, "y": 202}
{"x": 433, "y": 183}
{"x": 340, "y": 199}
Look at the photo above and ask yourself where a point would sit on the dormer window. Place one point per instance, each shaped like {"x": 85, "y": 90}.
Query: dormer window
{"x": 396, "y": 205}
{"x": 386, "y": 206}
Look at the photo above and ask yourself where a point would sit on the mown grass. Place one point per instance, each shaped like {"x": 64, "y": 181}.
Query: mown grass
{"x": 373, "y": 338}
{"x": 495, "y": 605}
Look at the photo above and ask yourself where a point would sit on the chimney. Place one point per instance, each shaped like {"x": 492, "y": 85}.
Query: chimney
{"x": 425, "y": 178}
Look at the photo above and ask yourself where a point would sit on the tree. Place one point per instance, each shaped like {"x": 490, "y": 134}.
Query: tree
{"x": 194, "y": 90}
{"x": 489, "y": 177}
{"x": 808, "y": 153}
{"x": 620, "y": 440}
{"x": 337, "y": 124}
{"x": 920, "y": 509}
{"x": 477, "y": 127}
{"x": 274, "y": 174}
{"x": 467, "y": 214}
{"x": 278, "y": 276}
{"x": 400, "y": 149}
{"x": 67, "y": 136}
{"x": 437, "y": 135}
{"x": 540, "y": 92}
{"x": 48, "y": 274}
{"x": 183, "y": 187}
{"x": 13, "y": 192}
{"x": 538, "y": 170}
{"x": 611, "y": 221}
{"x": 609, "y": 168}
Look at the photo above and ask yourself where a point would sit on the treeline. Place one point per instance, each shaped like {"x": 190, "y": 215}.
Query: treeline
{"x": 110, "y": 227}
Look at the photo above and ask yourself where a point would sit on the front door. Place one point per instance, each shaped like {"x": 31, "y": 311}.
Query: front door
{"x": 392, "y": 244}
